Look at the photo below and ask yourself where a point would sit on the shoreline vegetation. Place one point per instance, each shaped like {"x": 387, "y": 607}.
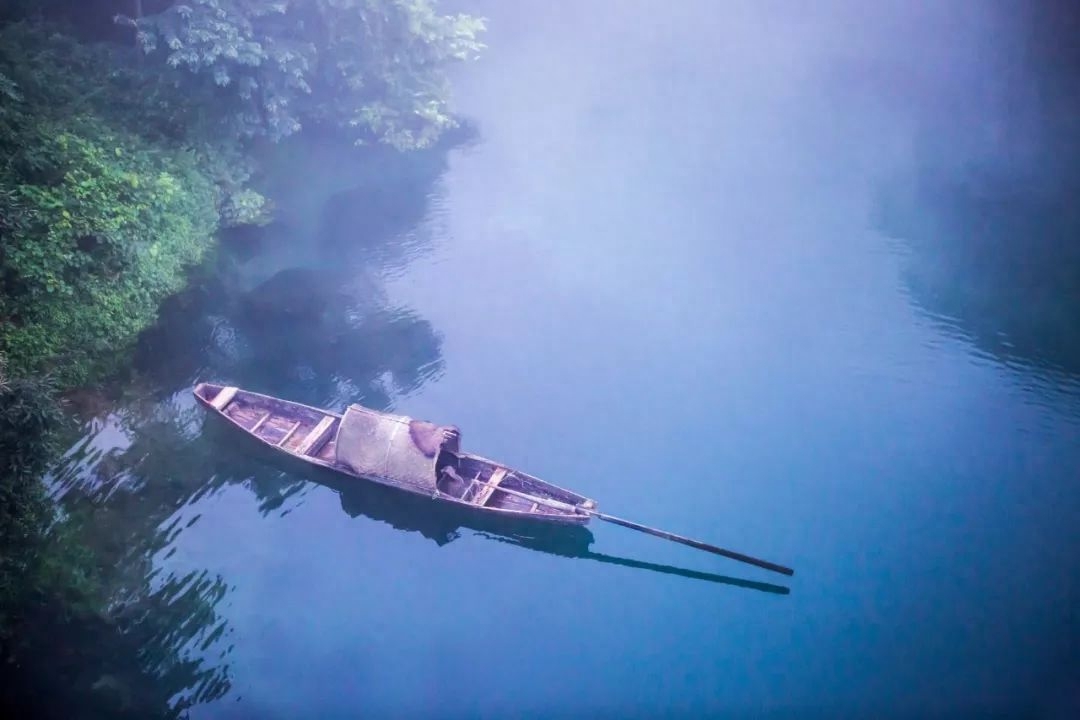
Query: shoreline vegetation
{"x": 128, "y": 132}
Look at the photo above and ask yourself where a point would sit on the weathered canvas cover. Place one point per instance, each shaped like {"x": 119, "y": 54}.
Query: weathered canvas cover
{"x": 392, "y": 448}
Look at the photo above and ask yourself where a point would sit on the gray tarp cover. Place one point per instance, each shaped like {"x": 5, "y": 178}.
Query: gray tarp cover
{"x": 392, "y": 448}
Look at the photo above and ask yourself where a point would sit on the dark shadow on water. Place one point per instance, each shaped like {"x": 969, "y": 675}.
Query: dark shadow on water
{"x": 294, "y": 335}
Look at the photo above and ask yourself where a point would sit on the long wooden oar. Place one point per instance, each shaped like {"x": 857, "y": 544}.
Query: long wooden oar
{"x": 692, "y": 543}
{"x": 559, "y": 505}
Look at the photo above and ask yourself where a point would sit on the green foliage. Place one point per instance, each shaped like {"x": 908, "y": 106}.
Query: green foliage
{"x": 98, "y": 224}
{"x": 373, "y": 67}
{"x": 245, "y": 207}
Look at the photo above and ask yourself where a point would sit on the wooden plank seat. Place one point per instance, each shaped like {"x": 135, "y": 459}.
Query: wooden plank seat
{"x": 485, "y": 493}
{"x": 255, "y": 428}
{"x": 318, "y": 436}
{"x": 223, "y": 398}
{"x": 282, "y": 441}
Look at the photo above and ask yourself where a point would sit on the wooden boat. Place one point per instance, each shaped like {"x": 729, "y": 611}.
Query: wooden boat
{"x": 417, "y": 457}
{"x": 394, "y": 450}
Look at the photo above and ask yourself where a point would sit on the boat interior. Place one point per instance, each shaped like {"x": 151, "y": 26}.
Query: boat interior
{"x": 294, "y": 428}
{"x": 311, "y": 434}
{"x": 480, "y": 482}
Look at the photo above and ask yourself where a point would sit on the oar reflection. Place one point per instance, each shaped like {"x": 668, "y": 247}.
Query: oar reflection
{"x": 654, "y": 567}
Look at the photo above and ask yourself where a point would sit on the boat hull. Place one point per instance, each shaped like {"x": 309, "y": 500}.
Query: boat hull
{"x": 290, "y": 445}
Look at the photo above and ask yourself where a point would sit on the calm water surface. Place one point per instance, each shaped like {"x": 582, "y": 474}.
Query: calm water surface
{"x": 693, "y": 263}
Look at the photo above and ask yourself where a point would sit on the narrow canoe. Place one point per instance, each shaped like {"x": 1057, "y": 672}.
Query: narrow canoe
{"x": 394, "y": 450}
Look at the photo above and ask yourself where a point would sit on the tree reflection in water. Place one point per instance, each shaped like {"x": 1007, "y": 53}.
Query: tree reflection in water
{"x": 992, "y": 228}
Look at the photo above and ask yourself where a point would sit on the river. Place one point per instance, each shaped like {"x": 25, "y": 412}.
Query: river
{"x": 721, "y": 266}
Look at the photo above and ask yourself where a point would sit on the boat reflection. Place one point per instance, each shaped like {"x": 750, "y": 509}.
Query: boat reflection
{"x": 444, "y": 523}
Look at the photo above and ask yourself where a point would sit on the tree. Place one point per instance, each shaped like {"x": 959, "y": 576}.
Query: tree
{"x": 375, "y": 68}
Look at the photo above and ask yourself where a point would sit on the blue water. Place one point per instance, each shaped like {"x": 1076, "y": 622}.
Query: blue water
{"x": 707, "y": 264}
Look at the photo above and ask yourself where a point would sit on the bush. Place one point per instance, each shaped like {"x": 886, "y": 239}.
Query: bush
{"x": 99, "y": 223}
